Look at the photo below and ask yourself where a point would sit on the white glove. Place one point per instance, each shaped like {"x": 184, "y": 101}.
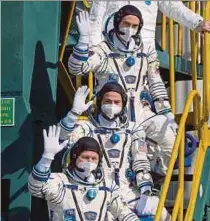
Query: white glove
{"x": 51, "y": 142}
{"x": 83, "y": 24}
{"x": 147, "y": 205}
{"x": 172, "y": 122}
{"x": 79, "y": 105}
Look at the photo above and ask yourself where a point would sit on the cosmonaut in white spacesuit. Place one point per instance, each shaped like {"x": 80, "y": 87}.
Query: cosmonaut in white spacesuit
{"x": 81, "y": 192}
{"x": 121, "y": 58}
{"x": 101, "y": 10}
{"x": 123, "y": 144}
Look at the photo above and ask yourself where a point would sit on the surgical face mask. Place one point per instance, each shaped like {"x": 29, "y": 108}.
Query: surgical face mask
{"x": 110, "y": 110}
{"x": 88, "y": 167}
{"x": 128, "y": 32}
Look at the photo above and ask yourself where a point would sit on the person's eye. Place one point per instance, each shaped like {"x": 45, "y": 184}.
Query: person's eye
{"x": 85, "y": 158}
{"x": 135, "y": 26}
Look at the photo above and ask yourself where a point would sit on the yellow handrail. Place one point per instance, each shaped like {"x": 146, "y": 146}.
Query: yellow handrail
{"x": 86, "y": 4}
{"x": 196, "y": 180}
{"x": 90, "y": 85}
{"x": 180, "y": 36}
{"x": 181, "y": 177}
{"x": 78, "y": 81}
{"x": 163, "y": 33}
{"x": 63, "y": 45}
{"x": 193, "y": 95}
{"x": 63, "y": 75}
{"x": 204, "y": 134}
{"x": 194, "y": 55}
{"x": 206, "y": 76}
{"x": 171, "y": 65}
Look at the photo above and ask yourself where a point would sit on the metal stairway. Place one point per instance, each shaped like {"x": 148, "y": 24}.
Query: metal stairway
{"x": 171, "y": 66}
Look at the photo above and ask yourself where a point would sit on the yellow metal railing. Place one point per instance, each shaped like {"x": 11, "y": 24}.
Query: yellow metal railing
{"x": 63, "y": 75}
{"x": 194, "y": 62}
{"x": 86, "y": 4}
{"x": 180, "y": 37}
{"x": 178, "y": 148}
{"x": 204, "y": 132}
{"x": 163, "y": 33}
{"x": 206, "y": 57}
{"x": 171, "y": 65}
{"x": 202, "y": 115}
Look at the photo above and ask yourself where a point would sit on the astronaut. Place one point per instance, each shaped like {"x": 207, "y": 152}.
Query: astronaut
{"x": 101, "y": 10}
{"x": 81, "y": 192}
{"x": 123, "y": 144}
{"x": 121, "y": 58}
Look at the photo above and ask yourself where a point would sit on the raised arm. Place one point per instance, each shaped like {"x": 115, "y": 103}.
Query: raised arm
{"x": 85, "y": 59}
{"x": 182, "y": 14}
{"x": 69, "y": 128}
{"x": 41, "y": 182}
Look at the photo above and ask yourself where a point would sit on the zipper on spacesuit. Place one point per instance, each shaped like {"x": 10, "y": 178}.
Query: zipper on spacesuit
{"x": 103, "y": 150}
{"x": 51, "y": 215}
{"x": 117, "y": 176}
{"x": 117, "y": 170}
{"x": 77, "y": 205}
{"x": 132, "y": 106}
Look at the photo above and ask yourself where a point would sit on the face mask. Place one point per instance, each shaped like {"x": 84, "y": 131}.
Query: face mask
{"x": 88, "y": 167}
{"x": 110, "y": 110}
{"x": 128, "y": 32}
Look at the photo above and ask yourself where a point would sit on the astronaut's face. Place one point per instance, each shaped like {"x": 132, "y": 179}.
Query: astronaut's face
{"x": 130, "y": 21}
{"x": 88, "y": 156}
{"x": 112, "y": 98}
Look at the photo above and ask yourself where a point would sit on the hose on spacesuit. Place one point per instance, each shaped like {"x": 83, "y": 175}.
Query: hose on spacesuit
{"x": 191, "y": 143}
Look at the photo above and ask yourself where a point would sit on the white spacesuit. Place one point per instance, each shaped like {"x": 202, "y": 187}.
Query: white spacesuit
{"x": 111, "y": 61}
{"x": 176, "y": 10}
{"x": 79, "y": 193}
{"x": 123, "y": 145}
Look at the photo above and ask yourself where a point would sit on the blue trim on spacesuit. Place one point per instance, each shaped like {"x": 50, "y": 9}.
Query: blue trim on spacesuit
{"x": 40, "y": 176}
{"x": 75, "y": 187}
{"x": 80, "y": 50}
{"x": 80, "y": 58}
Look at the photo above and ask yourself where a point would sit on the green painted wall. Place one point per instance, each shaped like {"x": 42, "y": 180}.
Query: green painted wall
{"x": 30, "y": 42}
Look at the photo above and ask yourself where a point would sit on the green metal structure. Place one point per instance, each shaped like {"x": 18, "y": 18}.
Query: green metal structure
{"x": 30, "y": 42}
